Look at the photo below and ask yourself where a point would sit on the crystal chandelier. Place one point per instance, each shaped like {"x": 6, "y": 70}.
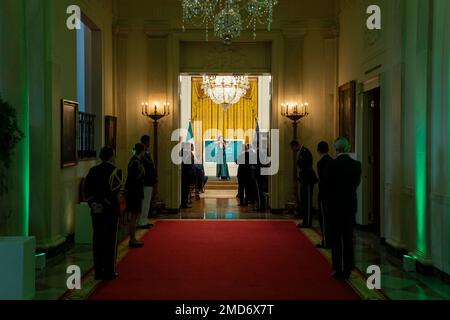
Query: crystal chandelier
{"x": 228, "y": 17}
{"x": 225, "y": 90}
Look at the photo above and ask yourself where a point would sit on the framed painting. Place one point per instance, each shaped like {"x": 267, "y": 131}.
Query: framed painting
{"x": 69, "y": 124}
{"x": 111, "y": 132}
{"x": 347, "y": 109}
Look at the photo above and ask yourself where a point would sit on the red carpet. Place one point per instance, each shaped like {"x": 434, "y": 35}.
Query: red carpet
{"x": 232, "y": 260}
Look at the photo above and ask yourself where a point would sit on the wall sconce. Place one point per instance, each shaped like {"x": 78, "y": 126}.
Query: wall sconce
{"x": 293, "y": 111}
{"x": 156, "y": 112}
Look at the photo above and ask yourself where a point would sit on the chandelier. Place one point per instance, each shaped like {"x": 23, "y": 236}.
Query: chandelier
{"x": 228, "y": 17}
{"x": 225, "y": 90}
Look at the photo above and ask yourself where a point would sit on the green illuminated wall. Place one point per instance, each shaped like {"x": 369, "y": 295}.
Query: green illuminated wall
{"x": 447, "y": 211}
{"x": 26, "y": 142}
{"x": 14, "y": 212}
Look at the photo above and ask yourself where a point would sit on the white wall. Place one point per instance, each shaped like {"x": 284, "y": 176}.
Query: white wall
{"x": 414, "y": 102}
{"x": 48, "y": 63}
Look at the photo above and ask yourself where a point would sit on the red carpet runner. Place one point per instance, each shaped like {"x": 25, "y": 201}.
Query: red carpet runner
{"x": 230, "y": 260}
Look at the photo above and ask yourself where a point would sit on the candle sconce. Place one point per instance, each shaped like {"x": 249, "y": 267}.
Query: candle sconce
{"x": 295, "y": 112}
{"x": 155, "y": 113}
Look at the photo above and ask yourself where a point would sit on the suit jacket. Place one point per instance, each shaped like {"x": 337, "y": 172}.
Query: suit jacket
{"x": 187, "y": 166}
{"x": 135, "y": 178}
{"x": 305, "y": 159}
{"x": 344, "y": 177}
{"x": 306, "y": 173}
{"x": 322, "y": 170}
{"x": 102, "y": 185}
{"x": 150, "y": 172}
{"x": 244, "y": 168}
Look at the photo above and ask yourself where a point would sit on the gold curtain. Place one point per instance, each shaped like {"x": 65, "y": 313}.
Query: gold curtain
{"x": 208, "y": 115}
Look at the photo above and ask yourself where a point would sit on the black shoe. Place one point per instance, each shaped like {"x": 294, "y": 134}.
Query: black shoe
{"x": 303, "y": 226}
{"x": 186, "y": 207}
{"x": 112, "y": 276}
{"x": 135, "y": 244}
{"x": 337, "y": 275}
{"x": 346, "y": 274}
{"x": 319, "y": 245}
{"x": 145, "y": 226}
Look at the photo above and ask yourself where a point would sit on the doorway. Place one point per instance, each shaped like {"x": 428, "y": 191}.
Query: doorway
{"x": 204, "y": 122}
{"x": 372, "y": 108}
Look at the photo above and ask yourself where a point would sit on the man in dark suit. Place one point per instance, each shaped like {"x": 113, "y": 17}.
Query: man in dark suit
{"x": 324, "y": 194}
{"x": 344, "y": 176}
{"x": 149, "y": 181}
{"x": 187, "y": 173}
{"x": 244, "y": 175}
{"x": 307, "y": 179}
{"x": 101, "y": 187}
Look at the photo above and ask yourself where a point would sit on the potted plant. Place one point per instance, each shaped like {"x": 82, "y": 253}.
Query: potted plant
{"x": 17, "y": 272}
{"x": 10, "y": 136}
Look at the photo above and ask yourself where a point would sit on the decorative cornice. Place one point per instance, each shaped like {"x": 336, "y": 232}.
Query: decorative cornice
{"x": 299, "y": 28}
{"x": 331, "y": 32}
{"x": 121, "y": 29}
{"x": 156, "y": 28}
{"x": 293, "y": 29}
{"x": 409, "y": 191}
{"x": 440, "y": 198}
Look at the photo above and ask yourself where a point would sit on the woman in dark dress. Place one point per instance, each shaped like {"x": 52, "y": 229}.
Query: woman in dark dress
{"x": 135, "y": 191}
{"x": 222, "y": 166}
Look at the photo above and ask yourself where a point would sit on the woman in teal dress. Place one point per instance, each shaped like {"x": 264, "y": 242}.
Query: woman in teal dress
{"x": 222, "y": 166}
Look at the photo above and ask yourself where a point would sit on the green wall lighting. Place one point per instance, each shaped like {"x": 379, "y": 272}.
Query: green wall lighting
{"x": 26, "y": 130}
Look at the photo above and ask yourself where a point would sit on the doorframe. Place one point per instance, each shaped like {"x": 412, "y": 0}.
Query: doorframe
{"x": 173, "y": 94}
{"x": 362, "y": 150}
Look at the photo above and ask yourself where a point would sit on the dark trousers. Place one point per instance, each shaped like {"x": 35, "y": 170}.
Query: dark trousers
{"x": 324, "y": 222}
{"x": 306, "y": 207}
{"x": 251, "y": 190}
{"x": 342, "y": 247}
{"x": 244, "y": 190}
{"x": 185, "y": 189}
{"x": 105, "y": 243}
{"x": 260, "y": 192}
{"x": 200, "y": 181}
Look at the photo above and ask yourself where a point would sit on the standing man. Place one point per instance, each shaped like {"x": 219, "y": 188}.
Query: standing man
{"x": 307, "y": 179}
{"x": 101, "y": 188}
{"x": 344, "y": 175}
{"x": 244, "y": 175}
{"x": 187, "y": 173}
{"x": 149, "y": 182}
{"x": 135, "y": 192}
{"x": 324, "y": 194}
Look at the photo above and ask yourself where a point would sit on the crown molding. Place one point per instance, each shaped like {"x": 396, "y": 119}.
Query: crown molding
{"x": 156, "y": 28}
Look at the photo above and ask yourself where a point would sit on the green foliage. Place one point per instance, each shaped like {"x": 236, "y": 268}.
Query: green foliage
{"x": 10, "y": 133}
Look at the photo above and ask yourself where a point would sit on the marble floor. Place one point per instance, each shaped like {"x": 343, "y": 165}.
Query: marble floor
{"x": 396, "y": 283}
